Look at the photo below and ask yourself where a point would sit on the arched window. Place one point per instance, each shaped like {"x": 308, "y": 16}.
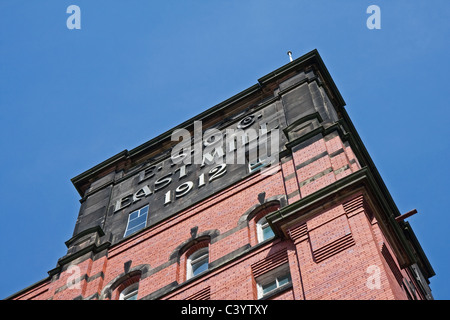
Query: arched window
{"x": 193, "y": 258}
{"x": 260, "y": 229}
{"x": 263, "y": 230}
{"x": 197, "y": 262}
{"x": 130, "y": 292}
{"x": 126, "y": 287}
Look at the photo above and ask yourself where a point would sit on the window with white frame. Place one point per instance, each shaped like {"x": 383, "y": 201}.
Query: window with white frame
{"x": 273, "y": 280}
{"x": 137, "y": 220}
{"x": 263, "y": 230}
{"x": 197, "y": 263}
{"x": 130, "y": 292}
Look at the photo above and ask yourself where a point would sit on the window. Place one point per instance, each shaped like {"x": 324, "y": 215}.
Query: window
{"x": 273, "y": 280}
{"x": 130, "y": 292}
{"x": 264, "y": 231}
{"x": 197, "y": 263}
{"x": 137, "y": 220}
{"x": 254, "y": 166}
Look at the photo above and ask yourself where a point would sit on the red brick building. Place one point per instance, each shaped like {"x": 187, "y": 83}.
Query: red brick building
{"x": 320, "y": 225}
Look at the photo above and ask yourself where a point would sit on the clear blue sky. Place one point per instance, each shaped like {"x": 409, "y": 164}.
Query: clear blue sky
{"x": 70, "y": 99}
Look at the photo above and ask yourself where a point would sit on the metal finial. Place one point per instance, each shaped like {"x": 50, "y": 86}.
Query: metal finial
{"x": 290, "y": 55}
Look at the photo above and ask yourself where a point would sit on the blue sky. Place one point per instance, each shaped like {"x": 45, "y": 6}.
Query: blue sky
{"x": 70, "y": 99}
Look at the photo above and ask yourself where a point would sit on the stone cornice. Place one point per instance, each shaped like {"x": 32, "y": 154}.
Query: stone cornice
{"x": 162, "y": 143}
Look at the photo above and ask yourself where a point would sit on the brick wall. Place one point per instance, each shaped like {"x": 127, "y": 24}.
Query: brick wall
{"x": 332, "y": 255}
